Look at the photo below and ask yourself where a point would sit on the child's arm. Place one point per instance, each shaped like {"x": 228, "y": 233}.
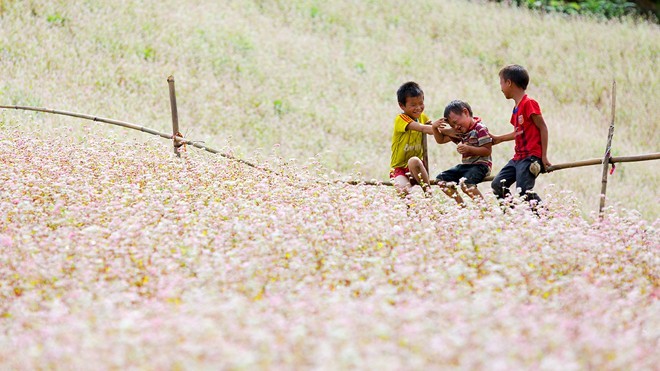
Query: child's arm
{"x": 439, "y": 130}
{"x": 451, "y": 133}
{"x": 481, "y": 151}
{"x": 543, "y": 130}
{"x": 416, "y": 126}
{"x": 497, "y": 139}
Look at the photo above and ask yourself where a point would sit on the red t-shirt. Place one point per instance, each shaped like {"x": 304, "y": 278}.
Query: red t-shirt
{"x": 528, "y": 136}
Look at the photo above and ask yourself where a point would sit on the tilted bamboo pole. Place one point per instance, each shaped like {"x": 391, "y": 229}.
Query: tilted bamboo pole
{"x": 608, "y": 153}
{"x": 92, "y": 118}
{"x": 140, "y": 128}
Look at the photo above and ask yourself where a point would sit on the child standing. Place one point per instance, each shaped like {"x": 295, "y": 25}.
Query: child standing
{"x": 407, "y": 148}
{"x": 530, "y": 134}
{"x": 474, "y": 143}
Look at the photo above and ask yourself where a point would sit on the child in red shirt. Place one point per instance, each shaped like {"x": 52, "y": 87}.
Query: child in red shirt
{"x": 530, "y": 134}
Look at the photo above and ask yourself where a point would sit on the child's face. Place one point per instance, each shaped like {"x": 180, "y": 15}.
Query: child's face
{"x": 414, "y": 106}
{"x": 460, "y": 122}
{"x": 505, "y": 86}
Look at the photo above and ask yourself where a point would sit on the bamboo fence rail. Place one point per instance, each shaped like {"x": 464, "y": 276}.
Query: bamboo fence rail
{"x": 566, "y": 165}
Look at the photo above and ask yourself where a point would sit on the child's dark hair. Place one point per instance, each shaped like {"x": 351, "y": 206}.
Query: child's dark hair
{"x": 516, "y": 73}
{"x": 457, "y": 106}
{"x": 409, "y": 89}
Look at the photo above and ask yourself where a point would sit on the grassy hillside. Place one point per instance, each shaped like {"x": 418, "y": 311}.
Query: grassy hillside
{"x": 319, "y": 78}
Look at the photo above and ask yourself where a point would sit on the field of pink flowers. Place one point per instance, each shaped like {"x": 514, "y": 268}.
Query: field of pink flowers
{"x": 121, "y": 256}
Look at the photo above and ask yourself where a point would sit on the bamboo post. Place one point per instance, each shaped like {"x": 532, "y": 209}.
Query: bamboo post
{"x": 608, "y": 153}
{"x": 425, "y": 148}
{"x": 175, "y": 118}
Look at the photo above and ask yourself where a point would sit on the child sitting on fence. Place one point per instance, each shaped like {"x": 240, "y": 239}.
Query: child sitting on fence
{"x": 530, "y": 134}
{"x": 474, "y": 144}
{"x": 407, "y": 149}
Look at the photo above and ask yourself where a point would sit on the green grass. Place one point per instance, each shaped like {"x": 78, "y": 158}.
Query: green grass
{"x": 319, "y": 78}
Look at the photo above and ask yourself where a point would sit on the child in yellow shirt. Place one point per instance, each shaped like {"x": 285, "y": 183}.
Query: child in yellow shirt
{"x": 407, "y": 150}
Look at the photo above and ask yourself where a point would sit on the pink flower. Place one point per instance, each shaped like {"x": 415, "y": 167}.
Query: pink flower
{"x": 5, "y": 241}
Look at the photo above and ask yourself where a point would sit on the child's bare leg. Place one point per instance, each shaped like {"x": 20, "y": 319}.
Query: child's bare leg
{"x": 472, "y": 191}
{"x": 402, "y": 185}
{"x": 450, "y": 190}
{"x": 419, "y": 172}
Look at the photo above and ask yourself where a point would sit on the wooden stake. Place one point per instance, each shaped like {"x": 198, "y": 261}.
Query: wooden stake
{"x": 425, "y": 148}
{"x": 608, "y": 153}
{"x": 175, "y": 118}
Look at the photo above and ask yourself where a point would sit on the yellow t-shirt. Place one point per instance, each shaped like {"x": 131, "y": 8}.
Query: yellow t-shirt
{"x": 406, "y": 143}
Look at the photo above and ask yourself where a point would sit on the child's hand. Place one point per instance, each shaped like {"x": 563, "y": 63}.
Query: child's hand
{"x": 546, "y": 162}
{"x": 440, "y": 123}
{"x": 462, "y": 148}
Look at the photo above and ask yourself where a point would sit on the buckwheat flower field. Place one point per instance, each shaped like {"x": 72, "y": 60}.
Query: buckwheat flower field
{"x": 123, "y": 256}
{"x": 116, "y": 254}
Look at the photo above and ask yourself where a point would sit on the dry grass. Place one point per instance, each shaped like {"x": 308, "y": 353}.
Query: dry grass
{"x": 319, "y": 78}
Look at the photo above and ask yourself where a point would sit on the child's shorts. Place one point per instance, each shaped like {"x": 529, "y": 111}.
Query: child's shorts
{"x": 402, "y": 171}
{"x": 473, "y": 174}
